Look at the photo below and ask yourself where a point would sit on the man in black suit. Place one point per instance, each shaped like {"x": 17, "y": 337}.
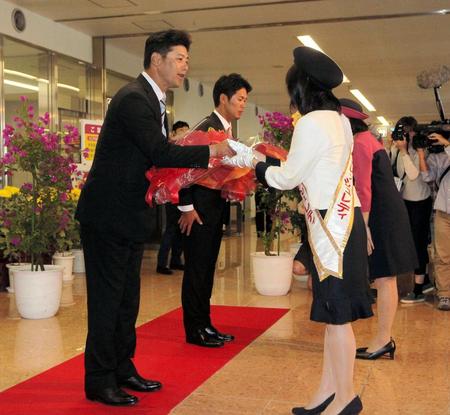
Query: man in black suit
{"x": 112, "y": 212}
{"x": 171, "y": 240}
{"x": 201, "y": 222}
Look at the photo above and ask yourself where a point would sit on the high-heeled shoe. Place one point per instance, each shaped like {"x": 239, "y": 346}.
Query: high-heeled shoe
{"x": 362, "y": 353}
{"x": 313, "y": 411}
{"x": 354, "y": 407}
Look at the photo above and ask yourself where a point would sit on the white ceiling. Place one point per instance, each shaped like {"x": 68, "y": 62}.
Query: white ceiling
{"x": 381, "y": 45}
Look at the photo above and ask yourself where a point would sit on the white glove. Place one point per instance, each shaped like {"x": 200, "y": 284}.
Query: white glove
{"x": 243, "y": 160}
{"x": 243, "y": 157}
{"x": 239, "y": 148}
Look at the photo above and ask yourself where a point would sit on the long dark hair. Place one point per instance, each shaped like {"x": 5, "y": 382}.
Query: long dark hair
{"x": 358, "y": 126}
{"x": 307, "y": 96}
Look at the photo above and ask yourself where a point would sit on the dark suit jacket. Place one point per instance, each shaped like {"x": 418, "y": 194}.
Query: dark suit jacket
{"x": 211, "y": 121}
{"x": 130, "y": 142}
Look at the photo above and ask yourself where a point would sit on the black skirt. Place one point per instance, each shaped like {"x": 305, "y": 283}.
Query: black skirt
{"x": 340, "y": 301}
{"x": 394, "y": 251}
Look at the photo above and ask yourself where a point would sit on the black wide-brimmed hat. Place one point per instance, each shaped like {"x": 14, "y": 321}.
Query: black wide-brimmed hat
{"x": 352, "y": 109}
{"x": 323, "y": 70}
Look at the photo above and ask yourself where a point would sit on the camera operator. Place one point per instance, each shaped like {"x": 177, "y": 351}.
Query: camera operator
{"x": 417, "y": 197}
{"x": 436, "y": 168}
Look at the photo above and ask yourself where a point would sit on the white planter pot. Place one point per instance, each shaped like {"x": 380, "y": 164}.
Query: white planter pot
{"x": 78, "y": 262}
{"x": 66, "y": 261}
{"x": 11, "y": 268}
{"x": 273, "y": 274}
{"x": 38, "y": 293}
{"x": 67, "y": 294}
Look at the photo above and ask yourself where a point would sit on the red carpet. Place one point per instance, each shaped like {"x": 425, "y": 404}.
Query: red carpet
{"x": 161, "y": 354}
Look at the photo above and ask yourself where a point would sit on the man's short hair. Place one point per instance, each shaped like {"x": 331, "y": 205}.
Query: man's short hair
{"x": 179, "y": 124}
{"x": 229, "y": 85}
{"x": 162, "y": 42}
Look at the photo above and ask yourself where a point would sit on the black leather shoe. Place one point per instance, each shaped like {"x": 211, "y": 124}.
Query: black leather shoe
{"x": 179, "y": 267}
{"x": 202, "y": 338}
{"x": 164, "y": 270}
{"x": 353, "y": 408}
{"x": 140, "y": 384}
{"x": 212, "y": 331}
{"x": 387, "y": 349}
{"x": 112, "y": 396}
{"x": 313, "y": 411}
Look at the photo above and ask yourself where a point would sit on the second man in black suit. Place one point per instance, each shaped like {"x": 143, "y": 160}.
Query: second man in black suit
{"x": 201, "y": 223}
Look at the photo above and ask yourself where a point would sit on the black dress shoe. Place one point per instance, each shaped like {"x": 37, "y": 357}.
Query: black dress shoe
{"x": 138, "y": 383}
{"x": 179, "y": 267}
{"x": 202, "y": 338}
{"x": 164, "y": 270}
{"x": 212, "y": 331}
{"x": 112, "y": 396}
{"x": 353, "y": 408}
{"x": 313, "y": 411}
{"x": 387, "y": 349}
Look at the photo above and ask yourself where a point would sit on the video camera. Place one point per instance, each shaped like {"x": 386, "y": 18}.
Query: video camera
{"x": 421, "y": 140}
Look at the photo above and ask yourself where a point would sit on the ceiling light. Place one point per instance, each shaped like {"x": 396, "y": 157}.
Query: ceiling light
{"x": 72, "y": 88}
{"x": 311, "y": 43}
{"x": 21, "y": 85}
{"x": 24, "y": 75}
{"x": 383, "y": 121}
{"x": 443, "y": 11}
{"x": 362, "y": 99}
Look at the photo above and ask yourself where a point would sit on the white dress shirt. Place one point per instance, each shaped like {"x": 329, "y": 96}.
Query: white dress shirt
{"x": 226, "y": 126}
{"x": 161, "y": 98}
{"x": 321, "y": 144}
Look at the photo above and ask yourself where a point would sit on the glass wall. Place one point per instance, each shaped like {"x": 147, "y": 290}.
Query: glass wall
{"x": 26, "y": 72}
{"x": 72, "y": 95}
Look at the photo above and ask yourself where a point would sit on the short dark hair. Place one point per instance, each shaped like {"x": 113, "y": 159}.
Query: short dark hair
{"x": 229, "y": 85}
{"x": 407, "y": 121}
{"x": 179, "y": 124}
{"x": 162, "y": 42}
{"x": 306, "y": 95}
{"x": 358, "y": 126}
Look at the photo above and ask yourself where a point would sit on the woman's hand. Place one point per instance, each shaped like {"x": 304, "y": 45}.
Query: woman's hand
{"x": 370, "y": 245}
{"x": 402, "y": 146}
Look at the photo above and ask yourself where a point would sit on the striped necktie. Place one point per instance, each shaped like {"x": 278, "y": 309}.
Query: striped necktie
{"x": 162, "y": 105}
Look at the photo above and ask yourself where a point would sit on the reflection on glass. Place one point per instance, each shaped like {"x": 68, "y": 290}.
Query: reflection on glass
{"x": 72, "y": 96}
{"x": 26, "y": 72}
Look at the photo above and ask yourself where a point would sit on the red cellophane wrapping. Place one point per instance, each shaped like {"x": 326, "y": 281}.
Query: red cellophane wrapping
{"x": 235, "y": 183}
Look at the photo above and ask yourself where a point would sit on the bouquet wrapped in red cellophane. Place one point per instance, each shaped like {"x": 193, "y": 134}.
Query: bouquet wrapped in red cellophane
{"x": 234, "y": 183}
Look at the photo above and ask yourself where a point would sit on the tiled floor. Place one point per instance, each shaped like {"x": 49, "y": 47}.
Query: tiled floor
{"x": 277, "y": 371}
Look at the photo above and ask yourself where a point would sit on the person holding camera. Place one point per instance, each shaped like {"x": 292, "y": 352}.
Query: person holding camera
{"x": 417, "y": 197}
{"x": 436, "y": 168}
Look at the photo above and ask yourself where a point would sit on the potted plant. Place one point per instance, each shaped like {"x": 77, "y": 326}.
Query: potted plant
{"x": 273, "y": 268}
{"x": 33, "y": 216}
{"x": 67, "y": 236}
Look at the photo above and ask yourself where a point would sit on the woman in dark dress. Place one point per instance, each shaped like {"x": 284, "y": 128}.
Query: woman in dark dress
{"x": 390, "y": 244}
{"x": 319, "y": 162}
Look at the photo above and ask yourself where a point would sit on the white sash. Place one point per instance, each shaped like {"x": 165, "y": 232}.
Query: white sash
{"x": 328, "y": 237}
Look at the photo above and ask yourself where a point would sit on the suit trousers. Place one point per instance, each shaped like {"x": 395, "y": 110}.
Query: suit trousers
{"x": 113, "y": 266}
{"x": 171, "y": 239}
{"x": 201, "y": 249}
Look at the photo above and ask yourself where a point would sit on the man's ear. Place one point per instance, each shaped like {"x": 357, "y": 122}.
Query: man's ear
{"x": 223, "y": 99}
{"x": 156, "y": 59}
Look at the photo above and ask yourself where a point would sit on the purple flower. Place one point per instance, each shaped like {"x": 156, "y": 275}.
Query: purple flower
{"x": 27, "y": 187}
{"x": 15, "y": 240}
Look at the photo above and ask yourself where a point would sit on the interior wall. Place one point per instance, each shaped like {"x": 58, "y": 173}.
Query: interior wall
{"x": 43, "y": 32}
